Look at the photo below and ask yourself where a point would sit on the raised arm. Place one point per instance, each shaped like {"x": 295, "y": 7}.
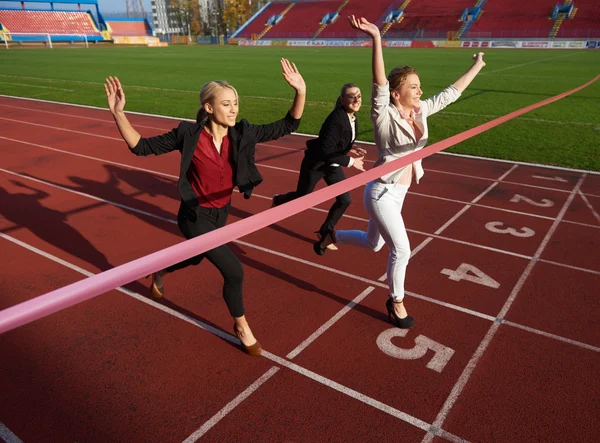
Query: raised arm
{"x": 465, "y": 80}
{"x": 295, "y": 80}
{"x": 116, "y": 103}
{"x": 379, "y": 77}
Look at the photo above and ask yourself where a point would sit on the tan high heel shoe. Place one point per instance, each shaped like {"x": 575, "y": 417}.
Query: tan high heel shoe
{"x": 154, "y": 289}
{"x": 254, "y": 349}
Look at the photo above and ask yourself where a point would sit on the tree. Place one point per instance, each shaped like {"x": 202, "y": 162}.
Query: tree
{"x": 236, "y": 13}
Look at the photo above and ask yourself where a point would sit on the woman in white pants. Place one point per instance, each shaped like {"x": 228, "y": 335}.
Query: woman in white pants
{"x": 400, "y": 120}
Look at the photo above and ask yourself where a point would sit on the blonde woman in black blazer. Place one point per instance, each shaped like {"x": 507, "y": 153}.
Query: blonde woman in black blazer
{"x": 326, "y": 156}
{"x": 217, "y": 154}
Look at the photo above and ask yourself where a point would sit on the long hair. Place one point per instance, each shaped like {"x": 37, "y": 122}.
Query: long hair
{"x": 347, "y": 86}
{"x": 207, "y": 95}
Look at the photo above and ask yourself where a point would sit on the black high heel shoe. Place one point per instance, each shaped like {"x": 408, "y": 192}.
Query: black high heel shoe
{"x": 327, "y": 237}
{"x": 403, "y": 323}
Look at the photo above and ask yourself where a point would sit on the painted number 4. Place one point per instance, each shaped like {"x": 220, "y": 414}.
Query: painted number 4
{"x": 471, "y": 273}
{"x": 441, "y": 353}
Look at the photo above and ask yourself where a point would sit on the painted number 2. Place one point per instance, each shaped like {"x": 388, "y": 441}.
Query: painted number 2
{"x": 545, "y": 203}
{"x": 441, "y": 353}
{"x": 523, "y": 232}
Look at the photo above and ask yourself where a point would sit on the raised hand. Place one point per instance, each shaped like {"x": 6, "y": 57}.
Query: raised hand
{"x": 115, "y": 95}
{"x": 362, "y": 24}
{"x": 478, "y": 59}
{"x": 293, "y": 76}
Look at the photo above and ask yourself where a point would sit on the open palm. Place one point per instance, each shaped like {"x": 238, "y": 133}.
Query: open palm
{"x": 115, "y": 95}
{"x": 362, "y": 24}
{"x": 292, "y": 75}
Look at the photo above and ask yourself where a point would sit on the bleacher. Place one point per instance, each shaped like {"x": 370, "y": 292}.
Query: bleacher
{"x": 260, "y": 22}
{"x": 429, "y": 18}
{"x": 373, "y": 10}
{"x": 513, "y": 19}
{"x": 303, "y": 19}
{"x": 129, "y": 27}
{"x": 584, "y": 21}
{"x": 66, "y": 23}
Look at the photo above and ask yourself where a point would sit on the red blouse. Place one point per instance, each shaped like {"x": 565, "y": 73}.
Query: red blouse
{"x": 211, "y": 172}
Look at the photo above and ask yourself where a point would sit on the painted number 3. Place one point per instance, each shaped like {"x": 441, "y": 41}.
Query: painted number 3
{"x": 495, "y": 227}
{"x": 441, "y": 353}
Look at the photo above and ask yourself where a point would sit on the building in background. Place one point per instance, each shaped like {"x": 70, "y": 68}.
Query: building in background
{"x": 163, "y": 21}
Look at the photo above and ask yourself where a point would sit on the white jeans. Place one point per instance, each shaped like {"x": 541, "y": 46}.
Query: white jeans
{"x": 383, "y": 203}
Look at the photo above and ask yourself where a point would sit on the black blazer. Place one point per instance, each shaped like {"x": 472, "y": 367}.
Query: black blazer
{"x": 243, "y": 138}
{"x": 335, "y": 139}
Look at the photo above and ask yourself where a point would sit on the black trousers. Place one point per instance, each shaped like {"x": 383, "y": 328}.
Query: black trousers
{"x": 193, "y": 223}
{"x": 309, "y": 177}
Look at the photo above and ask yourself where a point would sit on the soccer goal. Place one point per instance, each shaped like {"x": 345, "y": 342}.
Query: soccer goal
{"x": 35, "y": 37}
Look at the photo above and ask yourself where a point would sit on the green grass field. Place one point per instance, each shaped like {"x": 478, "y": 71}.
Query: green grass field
{"x": 167, "y": 81}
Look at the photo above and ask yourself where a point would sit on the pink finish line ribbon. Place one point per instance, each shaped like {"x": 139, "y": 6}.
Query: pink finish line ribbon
{"x": 90, "y": 287}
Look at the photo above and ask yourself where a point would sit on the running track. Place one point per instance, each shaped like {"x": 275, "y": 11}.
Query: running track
{"x": 503, "y": 285}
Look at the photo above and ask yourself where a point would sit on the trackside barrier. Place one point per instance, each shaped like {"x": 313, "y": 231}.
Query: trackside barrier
{"x": 90, "y": 287}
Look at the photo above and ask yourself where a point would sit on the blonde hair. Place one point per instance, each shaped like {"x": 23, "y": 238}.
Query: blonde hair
{"x": 207, "y": 95}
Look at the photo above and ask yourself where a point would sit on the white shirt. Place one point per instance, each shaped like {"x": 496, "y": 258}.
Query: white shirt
{"x": 352, "y": 119}
{"x": 394, "y": 136}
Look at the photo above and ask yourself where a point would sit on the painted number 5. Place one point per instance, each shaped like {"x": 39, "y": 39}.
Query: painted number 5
{"x": 441, "y": 353}
{"x": 523, "y": 232}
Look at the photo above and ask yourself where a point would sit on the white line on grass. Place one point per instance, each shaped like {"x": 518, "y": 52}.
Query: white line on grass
{"x": 529, "y": 63}
{"x": 35, "y": 86}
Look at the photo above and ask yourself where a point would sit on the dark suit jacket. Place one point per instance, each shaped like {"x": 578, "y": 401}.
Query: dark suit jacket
{"x": 243, "y": 138}
{"x": 335, "y": 140}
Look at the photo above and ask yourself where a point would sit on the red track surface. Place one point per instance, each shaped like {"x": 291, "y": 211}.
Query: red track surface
{"x": 522, "y": 347}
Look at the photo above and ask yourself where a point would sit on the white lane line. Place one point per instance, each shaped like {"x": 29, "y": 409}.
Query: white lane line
{"x": 329, "y": 323}
{"x": 590, "y": 207}
{"x": 230, "y": 406}
{"x": 276, "y": 359}
{"x": 444, "y": 112}
{"x": 62, "y": 114}
{"x": 7, "y": 435}
{"x": 350, "y": 392}
{"x": 468, "y": 371}
{"x": 316, "y": 265}
{"x": 552, "y": 336}
{"x": 36, "y": 86}
{"x": 61, "y": 129}
{"x": 300, "y": 134}
{"x": 268, "y": 166}
{"x": 269, "y": 198}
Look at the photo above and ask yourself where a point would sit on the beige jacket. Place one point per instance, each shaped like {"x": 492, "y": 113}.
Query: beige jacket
{"x": 394, "y": 137}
